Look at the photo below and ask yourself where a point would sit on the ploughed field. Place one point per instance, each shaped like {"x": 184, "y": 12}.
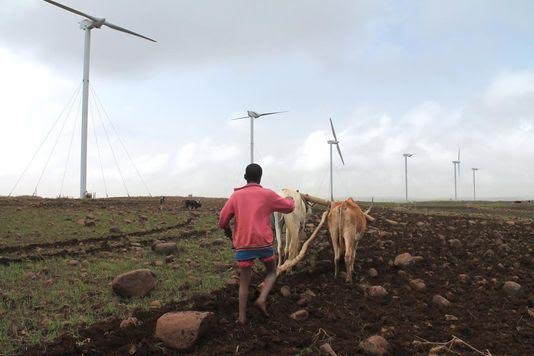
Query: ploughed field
{"x": 55, "y": 296}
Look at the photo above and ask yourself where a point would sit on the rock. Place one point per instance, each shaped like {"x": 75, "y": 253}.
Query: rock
{"x": 306, "y": 297}
{"x": 405, "y": 259}
{"x": 131, "y": 321}
{"x": 326, "y": 349}
{"x": 455, "y": 243}
{"x": 392, "y": 222}
{"x": 135, "y": 283}
{"x": 440, "y": 301}
{"x": 158, "y": 263}
{"x": 375, "y": 345}
{"x": 450, "y": 317}
{"x": 417, "y": 284}
{"x": 181, "y": 330}
{"x": 169, "y": 259}
{"x": 377, "y": 292}
{"x": 420, "y": 224}
{"x": 489, "y": 253}
{"x": 464, "y": 278}
{"x": 510, "y": 222}
{"x": 115, "y": 230}
{"x": 155, "y": 304}
{"x": 218, "y": 242}
{"x": 73, "y": 262}
{"x": 165, "y": 248}
{"x": 89, "y": 223}
{"x": 530, "y": 312}
{"x": 300, "y": 315}
{"x": 80, "y": 222}
{"x": 511, "y": 288}
{"x": 373, "y": 273}
{"x": 285, "y": 291}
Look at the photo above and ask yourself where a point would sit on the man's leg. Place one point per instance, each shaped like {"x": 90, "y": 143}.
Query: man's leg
{"x": 268, "y": 284}
{"x": 244, "y": 283}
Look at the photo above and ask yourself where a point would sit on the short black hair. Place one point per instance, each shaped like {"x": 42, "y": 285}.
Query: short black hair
{"x": 253, "y": 173}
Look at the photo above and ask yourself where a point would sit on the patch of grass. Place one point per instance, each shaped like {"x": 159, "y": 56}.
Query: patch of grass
{"x": 40, "y": 300}
{"x": 27, "y": 225}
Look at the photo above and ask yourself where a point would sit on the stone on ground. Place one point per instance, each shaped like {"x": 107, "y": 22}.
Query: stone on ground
{"x": 165, "y": 248}
{"x": 417, "y": 284}
{"x": 135, "y": 283}
{"x": 377, "y": 292}
{"x": 405, "y": 259}
{"x": 440, "y": 301}
{"x": 326, "y": 349}
{"x": 130, "y": 321}
{"x": 180, "y": 330}
{"x": 373, "y": 273}
{"x": 302, "y": 314}
{"x": 511, "y": 288}
{"x": 285, "y": 291}
{"x": 375, "y": 345}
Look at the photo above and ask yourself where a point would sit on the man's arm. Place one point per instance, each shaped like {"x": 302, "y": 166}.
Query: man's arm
{"x": 226, "y": 214}
{"x": 282, "y": 205}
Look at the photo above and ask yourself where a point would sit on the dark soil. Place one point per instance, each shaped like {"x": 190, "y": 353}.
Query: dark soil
{"x": 343, "y": 314}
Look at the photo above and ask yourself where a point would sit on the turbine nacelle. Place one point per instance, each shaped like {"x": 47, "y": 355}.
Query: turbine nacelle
{"x": 408, "y": 154}
{"x": 332, "y": 142}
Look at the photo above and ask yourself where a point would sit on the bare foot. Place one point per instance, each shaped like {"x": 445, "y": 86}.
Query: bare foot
{"x": 263, "y": 307}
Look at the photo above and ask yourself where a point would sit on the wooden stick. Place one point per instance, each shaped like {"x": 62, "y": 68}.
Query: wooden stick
{"x": 315, "y": 200}
{"x": 292, "y": 263}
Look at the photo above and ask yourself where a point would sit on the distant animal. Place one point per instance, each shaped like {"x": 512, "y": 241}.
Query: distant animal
{"x": 161, "y": 200}
{"x": 347, "y": 224}
{"x": 294, "y": 224}
{"x": 192, "y": 204}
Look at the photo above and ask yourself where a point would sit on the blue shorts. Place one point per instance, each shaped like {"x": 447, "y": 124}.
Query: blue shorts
{"x": 245, "y": 258}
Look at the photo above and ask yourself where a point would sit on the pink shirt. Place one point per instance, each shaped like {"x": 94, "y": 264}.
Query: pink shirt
{"x": 252, "y": 206}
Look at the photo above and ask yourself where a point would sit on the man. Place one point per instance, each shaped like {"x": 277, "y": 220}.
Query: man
{"x": 252, "y": 206}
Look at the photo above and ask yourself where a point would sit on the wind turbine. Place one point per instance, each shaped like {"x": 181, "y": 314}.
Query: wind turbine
{"x": 456, "y": 166}
{"x": 333, "y": 142}
{"x": 90, "y": 22}
{"x": 406, "y": 155}
{"x": 254, "y": 115}
{"x": 474, "y": 184}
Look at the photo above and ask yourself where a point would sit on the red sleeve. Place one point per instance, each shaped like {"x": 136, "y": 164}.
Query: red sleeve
{"x": 226, "y": 214}
{"x": 282, "y": 205}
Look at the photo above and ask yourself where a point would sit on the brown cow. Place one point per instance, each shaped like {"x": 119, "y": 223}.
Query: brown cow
{"x": 347, "y": 224}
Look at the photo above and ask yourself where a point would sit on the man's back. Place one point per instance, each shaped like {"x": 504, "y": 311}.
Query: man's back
{"x": 252, "y": 206}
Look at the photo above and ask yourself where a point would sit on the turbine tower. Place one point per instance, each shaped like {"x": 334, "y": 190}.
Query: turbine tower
{"x": 252, "y": 115}
{"x": 90, "y": 22}
{"x": 456, "y": 164}
{"x": 406, "y": 155}
{"x": 333, "y": 142}
{"x": 474, "y": 184}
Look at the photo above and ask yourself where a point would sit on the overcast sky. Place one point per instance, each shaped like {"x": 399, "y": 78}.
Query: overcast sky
{"x": 425, "y": 77}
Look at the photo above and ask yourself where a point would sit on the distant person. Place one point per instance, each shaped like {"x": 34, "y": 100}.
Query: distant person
{"x": 252, "y": 206}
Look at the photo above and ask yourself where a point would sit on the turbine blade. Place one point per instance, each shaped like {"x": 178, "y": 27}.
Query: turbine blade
{"x": 122, "y": 29}
{"x": 333, "y": 131}
{"x": 241, "y": 118}
{"x": 271, "y": 113}
{"x": 70, "y": 9}
{"x": 340, "y": 155}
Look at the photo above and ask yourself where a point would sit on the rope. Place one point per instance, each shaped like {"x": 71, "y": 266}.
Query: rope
{"x": 100, "y": 159}
{"x": 70, "y": 149}
{"x": 54, "y": 146}
{"x": 120, "y": 140}
{"x": 112, "y": 151}
{"x": 76, "y": 91}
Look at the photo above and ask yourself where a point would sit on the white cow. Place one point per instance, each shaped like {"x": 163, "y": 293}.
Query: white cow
{"x": 294, "y": 223}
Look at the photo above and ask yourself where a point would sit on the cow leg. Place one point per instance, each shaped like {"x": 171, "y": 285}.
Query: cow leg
{"x": 286, "y": 248}
{"x": 335, "y": 244}
{"x": 278, "y": 230}
{"x": 349, "y": 255}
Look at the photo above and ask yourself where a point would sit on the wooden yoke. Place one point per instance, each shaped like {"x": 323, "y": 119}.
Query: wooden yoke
{"x": 316, "y": 200}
